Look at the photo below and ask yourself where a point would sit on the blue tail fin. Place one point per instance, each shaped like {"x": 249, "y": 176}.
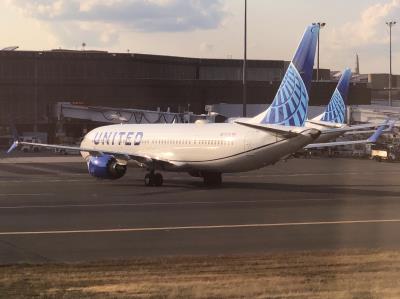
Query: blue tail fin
{"x": 290, "y": 104}
{"x": 336, "y": 109}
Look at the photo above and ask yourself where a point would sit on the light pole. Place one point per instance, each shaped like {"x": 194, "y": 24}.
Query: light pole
{"x": 36, "y": 92}
{"x": 320, "y": 25}
{"x": 245, "y": 62}
{"x": 390, "y": 24}
{"x": 35, "y": 103}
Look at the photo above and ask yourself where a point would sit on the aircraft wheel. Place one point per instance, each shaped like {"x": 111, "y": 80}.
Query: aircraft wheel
{"x": 149, "y": 179}
{"x": 158, "y": 179}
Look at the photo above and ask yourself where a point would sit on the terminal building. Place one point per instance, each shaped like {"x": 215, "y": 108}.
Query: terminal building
{"x": 33, "y": 83}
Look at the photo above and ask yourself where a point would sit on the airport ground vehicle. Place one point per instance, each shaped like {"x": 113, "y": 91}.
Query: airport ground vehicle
{"x": 65, "y": 151}
{"x": 385, "y": 152}
{"x": 30, "y": 147}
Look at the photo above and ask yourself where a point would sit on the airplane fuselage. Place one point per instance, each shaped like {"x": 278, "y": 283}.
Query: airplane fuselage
{"x": 220, "y": 148}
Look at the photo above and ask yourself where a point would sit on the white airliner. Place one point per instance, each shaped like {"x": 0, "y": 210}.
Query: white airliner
{"x": 208, "y": 150}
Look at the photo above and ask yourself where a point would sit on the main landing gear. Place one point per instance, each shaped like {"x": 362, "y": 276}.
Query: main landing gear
{"x": 211, "y": 179}
{"x": 153, "y": 179}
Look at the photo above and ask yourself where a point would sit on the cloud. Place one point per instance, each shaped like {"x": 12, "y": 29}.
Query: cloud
{"x": 369, "y": 29}
{"x": 206, "y": 47}
{"x": 138, "y": 15}
{"x": 367, "y": 35}
{"x": 73, "y": 34}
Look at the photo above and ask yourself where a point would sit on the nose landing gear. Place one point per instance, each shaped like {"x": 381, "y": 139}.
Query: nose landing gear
{"x": 153, "y": 179}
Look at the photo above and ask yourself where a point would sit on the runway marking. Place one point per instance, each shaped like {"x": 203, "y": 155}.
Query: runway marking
{"x": 312, "y": 174}
{"x": 27, "y": 194}
{"x": 38, "y": 160}
{"x": 150, "y": 204}
{"x": 200, "y": 227}
{"x": 42, "y": 180}
{"x": 127, "y": 204}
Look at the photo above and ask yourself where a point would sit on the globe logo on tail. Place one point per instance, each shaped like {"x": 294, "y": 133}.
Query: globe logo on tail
{"x": 289, "y": 107}
{"x": 335, "y": 112}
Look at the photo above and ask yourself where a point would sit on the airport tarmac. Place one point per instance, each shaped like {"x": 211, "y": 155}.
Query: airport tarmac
{"x": 51, "y": 210}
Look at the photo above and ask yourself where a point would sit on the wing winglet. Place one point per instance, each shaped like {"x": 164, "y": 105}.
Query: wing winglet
{"x": 12, "y": 147}
{"x": 376, "y": 135}
{"x": 15, "y": 143}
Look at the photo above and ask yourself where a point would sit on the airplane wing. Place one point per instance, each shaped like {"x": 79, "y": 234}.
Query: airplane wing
{"x": 142, "y": 159}
{"x": 348, "y": 130}
{"x": 365, "y": 132}
{"x": 372, "y": 139}
{"x": 324, "y": 123}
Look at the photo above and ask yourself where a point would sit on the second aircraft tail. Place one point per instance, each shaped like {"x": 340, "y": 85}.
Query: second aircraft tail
{"x": 336, "y": 110}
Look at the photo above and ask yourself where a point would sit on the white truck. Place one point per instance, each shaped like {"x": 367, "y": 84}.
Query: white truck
{"x": 384, "y": 153}
{"x": 30, "y": 148}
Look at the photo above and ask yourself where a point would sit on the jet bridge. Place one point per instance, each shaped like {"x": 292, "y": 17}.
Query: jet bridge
{"x": 119, "y": 115}
{"x": 373, "y": 113}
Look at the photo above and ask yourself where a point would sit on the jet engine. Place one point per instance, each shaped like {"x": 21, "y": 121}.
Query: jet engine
{"x": 106, "y": 167}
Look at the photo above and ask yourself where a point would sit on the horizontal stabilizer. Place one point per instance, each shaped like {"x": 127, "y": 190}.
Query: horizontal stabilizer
{"x": 324, "y": 123}
{"x": 282, "y": 131}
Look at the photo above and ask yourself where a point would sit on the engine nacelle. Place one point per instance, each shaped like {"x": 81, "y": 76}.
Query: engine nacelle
{"x": 106, "y": 167}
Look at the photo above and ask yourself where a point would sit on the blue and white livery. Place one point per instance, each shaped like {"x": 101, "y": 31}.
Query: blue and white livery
{"x": 336, "y": 110}
{"x": 331, "y": 122}
{"x": 290, "y": 105}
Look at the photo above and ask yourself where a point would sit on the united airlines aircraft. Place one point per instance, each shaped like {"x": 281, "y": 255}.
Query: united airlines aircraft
{"x": 208, "y": 150}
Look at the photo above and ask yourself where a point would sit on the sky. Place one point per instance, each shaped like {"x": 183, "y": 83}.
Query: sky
{"x": 208, "y": 28}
